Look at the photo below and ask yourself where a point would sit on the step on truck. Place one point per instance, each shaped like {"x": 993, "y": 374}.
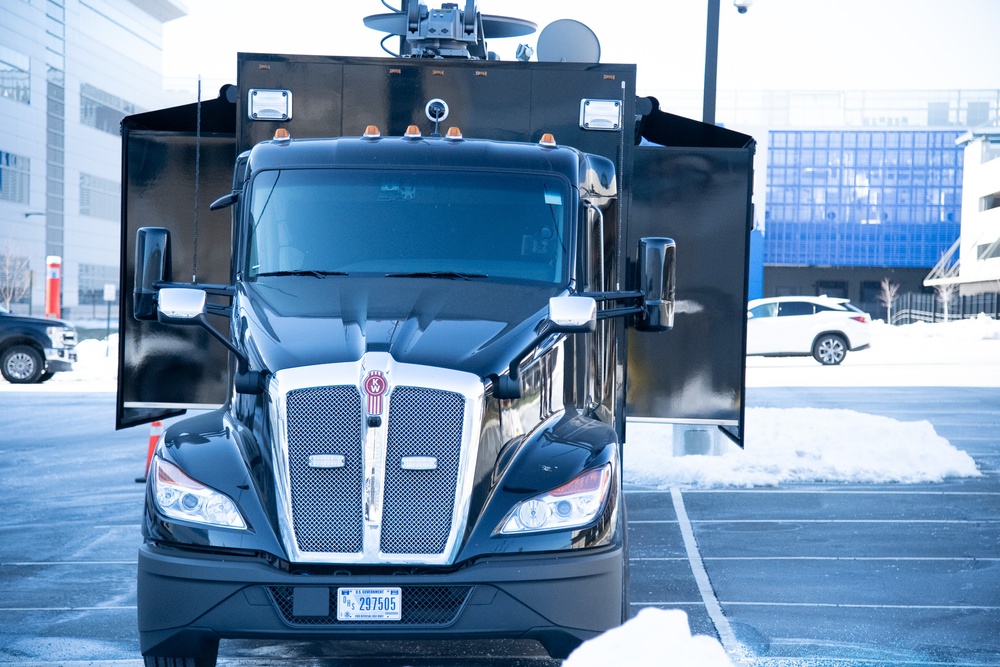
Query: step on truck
{"x": 426, "y": 295}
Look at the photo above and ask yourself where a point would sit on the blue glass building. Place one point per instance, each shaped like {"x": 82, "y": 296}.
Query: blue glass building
{"x": 861, "y": 198}
{"x": 852, "y": 186}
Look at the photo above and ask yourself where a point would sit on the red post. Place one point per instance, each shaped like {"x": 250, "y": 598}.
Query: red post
{"x": 53, "y": 284}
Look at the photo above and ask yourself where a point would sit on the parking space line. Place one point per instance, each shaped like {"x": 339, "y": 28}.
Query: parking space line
{"x": 864, "y": 558}
{"x": 920, "y": 521}
{"x": 719, "y": 620}
{"x": 848, "y": 492}
{"x": 66, "y": 562}
{"x": 846, "y": 605}
{"x": 114, "y": 608}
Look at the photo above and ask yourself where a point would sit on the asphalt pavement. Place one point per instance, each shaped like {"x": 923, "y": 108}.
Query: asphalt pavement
{"x": 798, "y": 575}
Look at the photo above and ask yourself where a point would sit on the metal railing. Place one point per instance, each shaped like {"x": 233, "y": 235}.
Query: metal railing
{"x": 916, "y": 307}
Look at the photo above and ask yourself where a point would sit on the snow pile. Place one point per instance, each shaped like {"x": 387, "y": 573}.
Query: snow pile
{"x": 630, "y": 644}
{"x": 800, "y": 445}
{"x": 96, "y": 360}
{"x": 981, "y": 327}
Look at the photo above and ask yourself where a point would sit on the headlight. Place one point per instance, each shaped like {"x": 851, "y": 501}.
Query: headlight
{"x": 180, "y": 497}
{"x": 571, "y": 505}
{"x": 55, "y": 335}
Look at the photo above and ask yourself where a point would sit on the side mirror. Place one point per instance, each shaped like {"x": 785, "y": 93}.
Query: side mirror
{"x": 180, "y": 305}
{"x": 152, "y": 265}
{"x": 567, "y": 314}
{"x": 187, "y": 305}
{"x": 572, "y": 314}
{"x": 657, "y": 282}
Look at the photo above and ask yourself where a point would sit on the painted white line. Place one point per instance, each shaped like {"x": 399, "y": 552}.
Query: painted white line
{"x": 656, "y": 558}
{"x": 821, "y": 490}
{"x": 799, "y": 661}
{"x": 726, "y": 635}
{"x": 919, "y": 521}
{"x": 67, "y": 562}
{"x": 115, "y": 608}
{"x": 966, "y": 559}
{"x": 967, "y": 607}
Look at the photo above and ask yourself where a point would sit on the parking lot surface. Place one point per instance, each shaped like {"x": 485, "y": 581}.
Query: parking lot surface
{"x": 800, "y": 574}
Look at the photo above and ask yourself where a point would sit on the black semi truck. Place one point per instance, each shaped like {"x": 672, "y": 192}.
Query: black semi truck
{"x": 425, "y": 295}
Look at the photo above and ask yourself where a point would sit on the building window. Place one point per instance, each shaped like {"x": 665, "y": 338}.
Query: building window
{"x": 14, "y": 175}
{"x": 103, "y": 110}
{"x": 15, "y": 75}
{"x": 99, "y": 197}
{"x": 92, "y": 279}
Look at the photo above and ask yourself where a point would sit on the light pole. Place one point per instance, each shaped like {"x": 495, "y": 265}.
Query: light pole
{"x": 712, "y": 56}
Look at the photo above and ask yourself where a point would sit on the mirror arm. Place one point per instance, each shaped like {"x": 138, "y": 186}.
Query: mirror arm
{"x": 247, "y": 381}
{"x": 509, "y": 384}
{"x": 619, "y": 312}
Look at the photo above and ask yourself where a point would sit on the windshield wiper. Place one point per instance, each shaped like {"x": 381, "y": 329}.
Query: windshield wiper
{"x": 303, "y": 272}
{"x": 449, "y": 275}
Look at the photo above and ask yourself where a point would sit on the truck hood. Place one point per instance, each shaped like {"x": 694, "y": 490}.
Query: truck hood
{"x": 468, "y": 325}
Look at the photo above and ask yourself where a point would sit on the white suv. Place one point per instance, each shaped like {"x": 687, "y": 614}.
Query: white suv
{"x": 826, "y": 328}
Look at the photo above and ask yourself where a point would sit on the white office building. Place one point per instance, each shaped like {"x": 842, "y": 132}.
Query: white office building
{"x": 69, "y": 71}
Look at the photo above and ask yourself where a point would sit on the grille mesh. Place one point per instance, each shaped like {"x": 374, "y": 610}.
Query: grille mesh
{"x": 422, "y": 605}
{"x": 326, "y": 502}
{"x": 418, "y": 504}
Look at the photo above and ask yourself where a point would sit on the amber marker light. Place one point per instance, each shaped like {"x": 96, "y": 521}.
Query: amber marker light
{"x": 371, "y": 132}
{"x": 453, "y": 133}
{"x": 412, "y": 132}
{"x": 281, "y": 134}
{"x": 547, "y": 140}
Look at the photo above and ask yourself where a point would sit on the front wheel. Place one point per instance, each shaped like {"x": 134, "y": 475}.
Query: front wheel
{"x": 829, "y": 349}
{"x": 21, "y": 364}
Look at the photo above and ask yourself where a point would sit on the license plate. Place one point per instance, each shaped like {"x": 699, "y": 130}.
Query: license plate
{"x": 369, "y": 604}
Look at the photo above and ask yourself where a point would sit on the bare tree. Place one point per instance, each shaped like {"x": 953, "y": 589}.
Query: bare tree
{"x": 887, "y": 297}
{"x": 945, "y": 293}
{"x": 15, "y": 276}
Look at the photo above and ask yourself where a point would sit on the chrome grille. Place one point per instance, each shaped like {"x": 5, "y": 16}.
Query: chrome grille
{"x": 419, "y": 504}
{"x": 326, "y": 502}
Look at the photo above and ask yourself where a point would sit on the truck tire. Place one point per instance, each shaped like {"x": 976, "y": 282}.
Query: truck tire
{"x": 155, "y": 661}
{"x": 21, "y": 364}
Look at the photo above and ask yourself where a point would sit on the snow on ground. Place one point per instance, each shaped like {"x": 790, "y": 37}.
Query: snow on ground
{"x": 782, "y": 445}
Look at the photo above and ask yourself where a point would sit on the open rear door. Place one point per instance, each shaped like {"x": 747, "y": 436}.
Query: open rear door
{"x": 693, "y": 183}
{"x": 181, "y": 156}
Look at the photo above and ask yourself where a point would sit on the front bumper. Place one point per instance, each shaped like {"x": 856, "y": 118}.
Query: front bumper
{"x": 560, "y": 600}
{"x": 59, "y": 359}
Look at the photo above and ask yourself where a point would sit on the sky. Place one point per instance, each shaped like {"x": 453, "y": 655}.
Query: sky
{"x": 776, "y": 45}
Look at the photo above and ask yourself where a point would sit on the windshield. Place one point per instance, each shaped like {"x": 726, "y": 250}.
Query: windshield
{"x": 433, "y": 223}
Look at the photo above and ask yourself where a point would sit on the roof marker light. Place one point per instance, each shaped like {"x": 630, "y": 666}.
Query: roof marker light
{"x": 281, "y": 134}
{"x": 547, "y": 140}
{"x": 412, "y": 132}
{"x": 371, "y": 132}
{"x": 453, "y": 133}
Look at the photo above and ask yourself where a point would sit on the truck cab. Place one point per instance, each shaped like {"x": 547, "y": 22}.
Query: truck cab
{"x": 415, "y": 345}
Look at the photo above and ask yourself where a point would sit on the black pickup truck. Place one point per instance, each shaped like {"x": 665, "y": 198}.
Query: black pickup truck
{"x": 32, "y": 349}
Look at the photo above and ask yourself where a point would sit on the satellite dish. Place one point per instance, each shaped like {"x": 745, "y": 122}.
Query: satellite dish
{"x": 568, "y": 41}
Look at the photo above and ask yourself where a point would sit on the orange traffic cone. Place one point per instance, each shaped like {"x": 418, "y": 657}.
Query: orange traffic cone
{"x": 155, "y": 431}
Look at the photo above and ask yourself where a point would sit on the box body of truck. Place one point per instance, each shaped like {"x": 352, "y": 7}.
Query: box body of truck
{"x": 417, "y": 429}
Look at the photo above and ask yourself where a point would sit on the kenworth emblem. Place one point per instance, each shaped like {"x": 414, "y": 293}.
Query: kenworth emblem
{"x": 375, "y": 386}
